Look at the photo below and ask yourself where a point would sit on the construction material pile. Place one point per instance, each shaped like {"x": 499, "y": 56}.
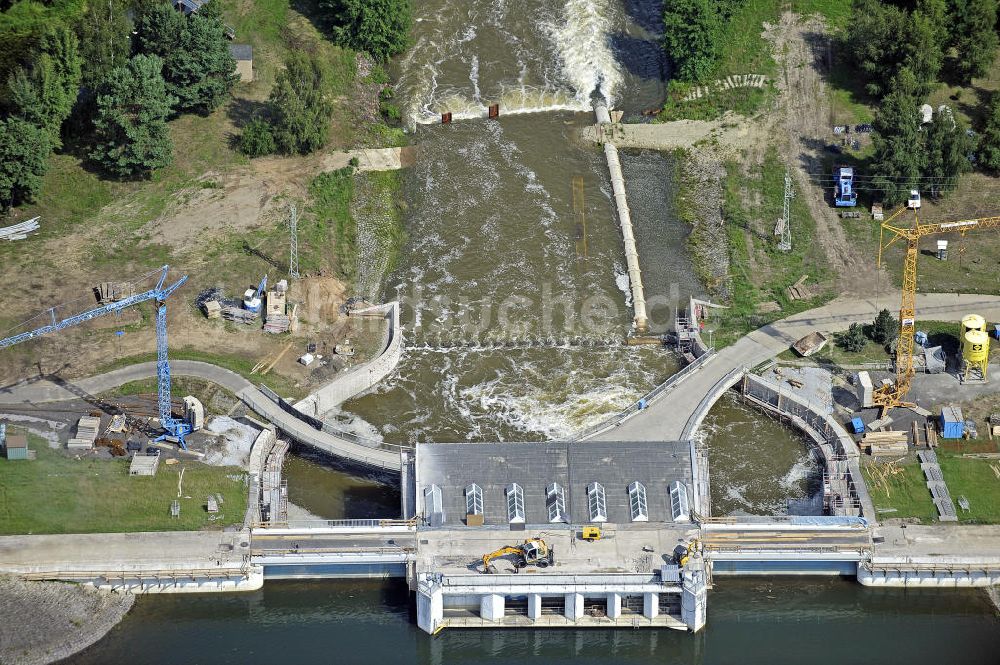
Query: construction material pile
{"x": 19, "y": 231}
{"x": 86, "y": 433}
{"x": 107, "y": 292}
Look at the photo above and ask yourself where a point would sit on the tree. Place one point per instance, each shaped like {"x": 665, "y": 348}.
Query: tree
{"x": 692, "y": 30}
{"x": 24, "y": 152}
{"x": 45, "y": 93}
{"x": 853, "y": 340}
{"x": 947, "y": 148}
{"x": 257, "y": 139}
{"x": 885, "y": 328}
{"x": 301, "y": 112}
{"x": 158, "y": 30}
{"x": 130, "y": 129}
{"x": 378, "y": 27}
{"x": 989, "y": 143}
{"x": 104, "y": 39}
{"x": 974, "y": 36}
{"x": 899, "y": 157}
{"x": 197, "y": 66}
{"x": 875, "y": 41}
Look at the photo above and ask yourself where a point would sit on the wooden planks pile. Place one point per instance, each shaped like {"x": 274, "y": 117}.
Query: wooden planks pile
{"x": 19, "y": 231}
{"x": 923, "y": 435}
{"x": 86, "y": 433}
{"x": 798, "y": 290}
{"x": 881, "y": 444}
{"x": 114, "y": 291}
{"x": 239, "y": 315}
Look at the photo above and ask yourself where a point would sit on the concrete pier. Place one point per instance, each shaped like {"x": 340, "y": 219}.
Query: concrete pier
{"x": 640, "y": 318}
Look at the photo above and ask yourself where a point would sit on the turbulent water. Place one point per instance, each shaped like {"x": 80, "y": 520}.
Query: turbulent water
{"x": 757, "y": 465}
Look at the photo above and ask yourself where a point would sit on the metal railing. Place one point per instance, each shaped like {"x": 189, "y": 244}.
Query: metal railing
{"x": 644, "y": 401}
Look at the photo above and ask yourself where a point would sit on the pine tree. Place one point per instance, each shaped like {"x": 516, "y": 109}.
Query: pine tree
{"x": 947, "y": 147}
{"x": 299, "y": 107}
{"x": 989, "y": 142}
{"x": 899, "y": 157}
{"x": 974, "y": 36}
{"x": 130, "y": 129}
{"x": 885, "y": 327}
{"x": 692, "y": 30}
{"x": 45, "y": 93}
{"x": 378, "y": 27}
{"x": 24, "y": 152}
{"x": 197, "y": 66}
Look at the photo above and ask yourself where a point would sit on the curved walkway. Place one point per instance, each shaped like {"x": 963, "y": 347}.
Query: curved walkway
{"x": 667, "y": 420}
{"x": 56, "y": 389}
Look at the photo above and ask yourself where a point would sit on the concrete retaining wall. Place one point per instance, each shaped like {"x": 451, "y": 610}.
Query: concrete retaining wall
{"x": 640, "y": 318}
{"x": 363, "y": 377}
{"x": 834, "y": 444}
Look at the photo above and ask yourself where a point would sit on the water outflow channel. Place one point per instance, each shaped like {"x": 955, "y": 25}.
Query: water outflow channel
{"x": 512, "y": 237}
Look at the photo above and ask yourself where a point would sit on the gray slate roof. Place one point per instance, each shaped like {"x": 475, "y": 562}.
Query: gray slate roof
{"x": 241, "y": 51}
{"x": 533, "y": 466}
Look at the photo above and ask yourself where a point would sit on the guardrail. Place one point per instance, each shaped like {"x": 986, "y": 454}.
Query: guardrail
{"x": 344, "y": 524}
{"x": 710, "y": 398}
{"x": 644, "y": 401}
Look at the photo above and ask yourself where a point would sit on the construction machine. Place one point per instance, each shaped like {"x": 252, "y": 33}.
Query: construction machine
{"x": 532, "y": 552}
{"x": 890, "y": 396}
{"x": 683, "y": 553}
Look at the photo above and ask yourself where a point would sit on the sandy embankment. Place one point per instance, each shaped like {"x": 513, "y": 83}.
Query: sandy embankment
{"x": 47, "y": 621}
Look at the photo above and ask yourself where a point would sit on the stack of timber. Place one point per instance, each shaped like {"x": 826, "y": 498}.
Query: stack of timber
{"x": 276, "y": 318}
{"x": 212, "y": 309}
{"x": 86, "y": 433}
{"x": 924, "y": 435}
{"x": 882, "y": 444}
{"x": 113, "y": 291}
{"x": 798, "y": 290}
{"x": 19, "y": 231}
{"x": 239, "y": 315}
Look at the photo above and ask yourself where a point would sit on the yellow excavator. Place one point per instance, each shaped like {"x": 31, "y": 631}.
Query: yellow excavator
{"x": 532, "y": 552}
{"x": 683, "y": 553}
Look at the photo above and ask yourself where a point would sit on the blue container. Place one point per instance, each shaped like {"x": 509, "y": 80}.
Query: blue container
{"x": 952, "y": 423}
{"x": 858, "y": 425}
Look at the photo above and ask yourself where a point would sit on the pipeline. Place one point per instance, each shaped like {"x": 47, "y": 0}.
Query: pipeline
{"x": 640, "y": 319}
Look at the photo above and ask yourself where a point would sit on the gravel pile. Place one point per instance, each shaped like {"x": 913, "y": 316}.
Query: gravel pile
{"x": 47, "y": 621}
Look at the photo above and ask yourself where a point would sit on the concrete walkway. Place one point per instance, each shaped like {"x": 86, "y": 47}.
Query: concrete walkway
{"x": 54, "y": 389}
{"x": 666, "y": 419}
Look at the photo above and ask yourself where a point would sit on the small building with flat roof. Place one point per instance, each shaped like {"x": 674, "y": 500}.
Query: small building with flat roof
{"x": 243, "y": 55}
{"x": 15, "y": 446}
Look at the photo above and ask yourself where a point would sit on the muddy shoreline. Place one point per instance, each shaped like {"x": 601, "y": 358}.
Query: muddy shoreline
{"x": 45, "y": 622}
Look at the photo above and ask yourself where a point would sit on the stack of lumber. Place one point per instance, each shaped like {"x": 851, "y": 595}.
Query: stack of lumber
{"x": 798, "y": 290}
{"x": 212, "y": 309}
{"x": 886, "y": 443}
{"x": 86, "y": 433}
{"x": 239, "y": 315}
{"x": 277, "y": 323}
{"x": 923, "y": 435}
{"x": 19, "y": 231}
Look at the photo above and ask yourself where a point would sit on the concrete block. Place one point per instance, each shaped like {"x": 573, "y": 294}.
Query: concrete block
{"x": 574, "y": 606}
{"x": 614, "y": 605}
{"x": 650, "y": 605}
{"x": 534, "y": 606}
{"x": 491, "y": 607}
{"x": 430, "y": 608}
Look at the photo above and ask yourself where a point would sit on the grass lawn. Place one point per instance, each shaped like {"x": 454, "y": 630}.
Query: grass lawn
{"x": 974, "y": 479}
{"x": 760, "y": 272}
{"x": 939, "y": 333}
{"x": 59, "y": 494}
{"x": 906, "y": 492}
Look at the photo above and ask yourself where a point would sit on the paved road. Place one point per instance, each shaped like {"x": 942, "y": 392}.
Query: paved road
{"x": 317, "y": 543}
{"x": 55, "y": 389}
{"x": 761, "y": 540}
{"x": 666, "y": 419}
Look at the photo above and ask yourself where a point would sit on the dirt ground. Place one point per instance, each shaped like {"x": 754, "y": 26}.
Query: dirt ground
{"x": 802, "y": 49}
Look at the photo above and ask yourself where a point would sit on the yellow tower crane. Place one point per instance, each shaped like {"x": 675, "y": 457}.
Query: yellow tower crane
{"x": 893, "y": 395}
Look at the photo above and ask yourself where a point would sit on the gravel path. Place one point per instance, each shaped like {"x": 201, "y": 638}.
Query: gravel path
{"x": 47, "y": 621}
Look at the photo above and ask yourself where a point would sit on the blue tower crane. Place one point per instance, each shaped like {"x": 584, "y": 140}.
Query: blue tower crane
{"x": 175, "y": 428}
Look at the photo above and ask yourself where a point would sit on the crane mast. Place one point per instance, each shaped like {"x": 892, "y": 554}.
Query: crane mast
{"x": 893, "y": 395}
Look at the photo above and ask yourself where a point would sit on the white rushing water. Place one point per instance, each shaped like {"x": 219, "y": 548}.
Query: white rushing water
{"x": 528, "y": 56}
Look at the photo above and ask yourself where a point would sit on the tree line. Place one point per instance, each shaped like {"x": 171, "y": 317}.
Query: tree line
{"x": 107, "y": 76}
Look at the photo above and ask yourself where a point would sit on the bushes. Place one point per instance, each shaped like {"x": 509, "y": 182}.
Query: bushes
{"x": 257, "y": 139}
{"x": 24, "y": 150}
{"x": 378, "y": 27}
{"x": 853, "y": 340}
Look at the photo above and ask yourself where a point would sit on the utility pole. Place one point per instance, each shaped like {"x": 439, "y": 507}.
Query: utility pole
{"x": 293, "y": 260}
{"x": 785, "y": 244}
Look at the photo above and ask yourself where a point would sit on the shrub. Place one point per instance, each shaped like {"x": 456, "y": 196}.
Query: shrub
{"x": 257, "y": 139}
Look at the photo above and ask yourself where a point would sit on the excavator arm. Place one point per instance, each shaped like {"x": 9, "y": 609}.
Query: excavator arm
{"x": 503, "y": 551}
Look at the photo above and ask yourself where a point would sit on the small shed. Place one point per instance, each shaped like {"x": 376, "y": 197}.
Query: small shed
{"x": 952, "y": 423}
{"x": 144, "y": 465}
{"x": 243, "y": 55}
{"x": 16, "y": 446}
{"x": 189, "y": 7}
